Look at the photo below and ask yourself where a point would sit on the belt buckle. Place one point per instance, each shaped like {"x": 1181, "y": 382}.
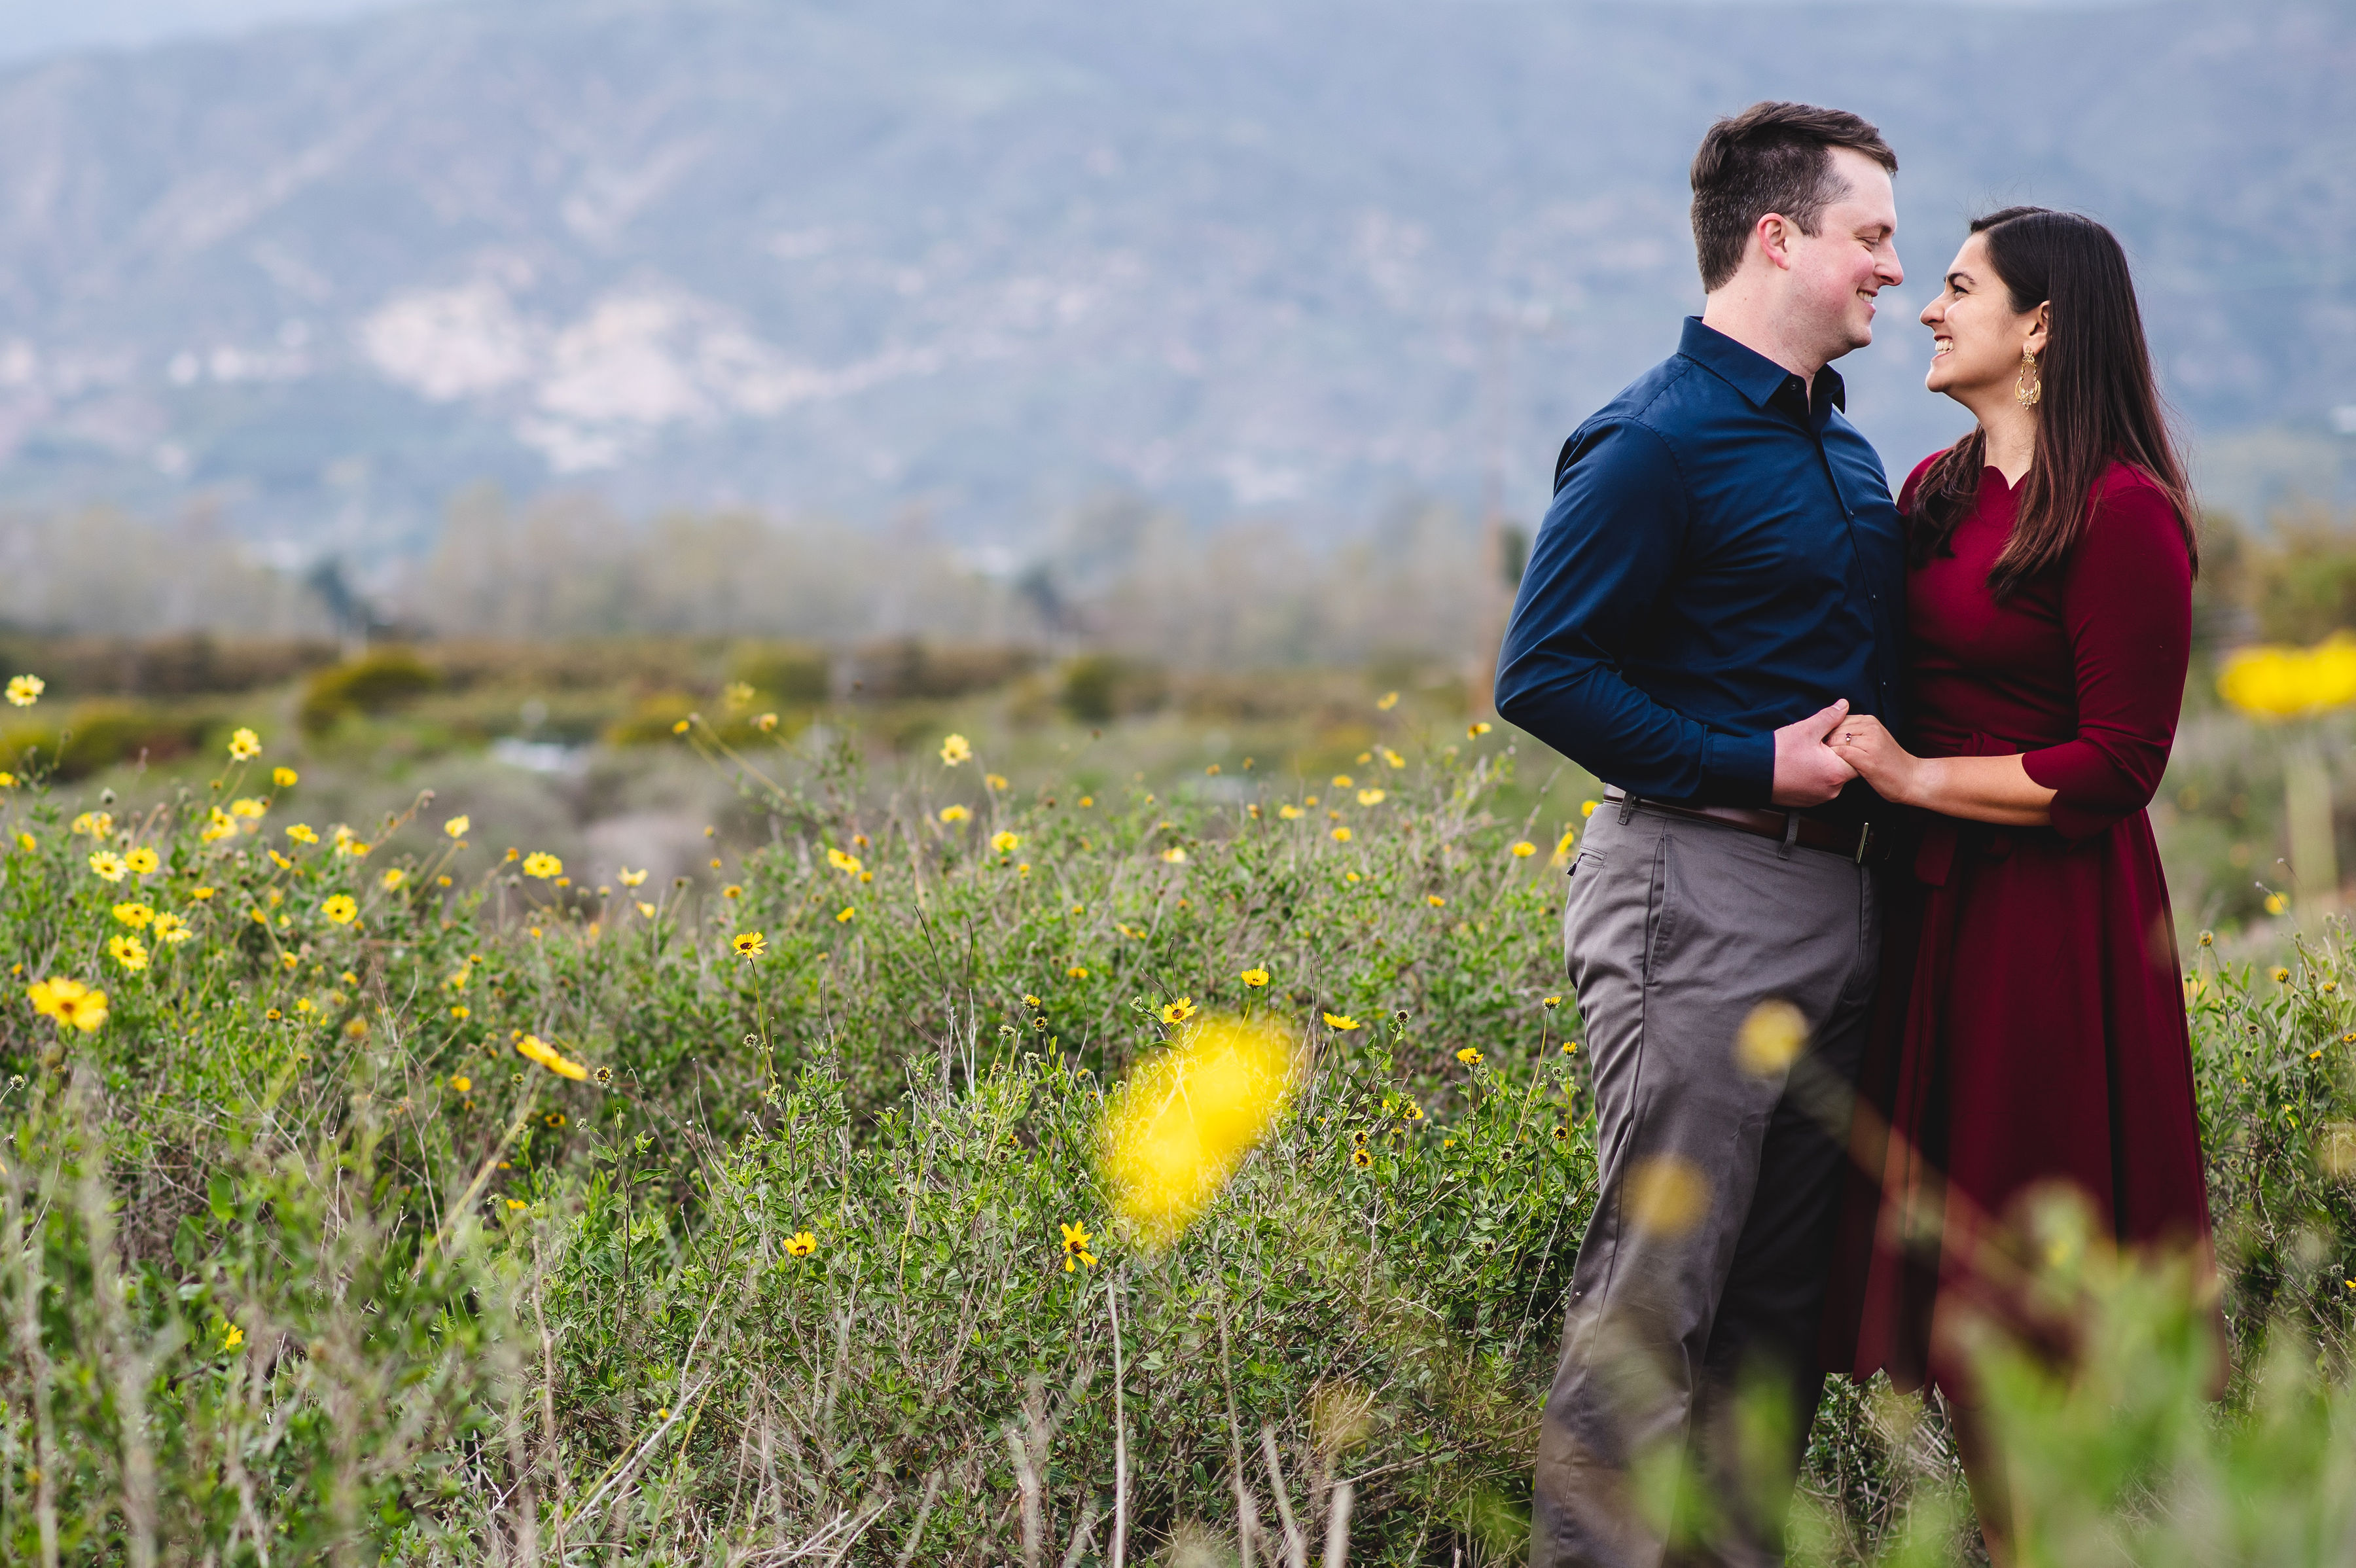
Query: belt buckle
{"x": 1864, "y": 842}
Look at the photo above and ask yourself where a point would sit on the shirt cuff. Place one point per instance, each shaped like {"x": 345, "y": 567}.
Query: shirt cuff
{"x": 2081, "y": 779}
{"x": 1738, "y": 770}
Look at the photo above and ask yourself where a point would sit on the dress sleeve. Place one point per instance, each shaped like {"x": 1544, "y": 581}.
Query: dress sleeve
{"x": 1607, "y": 551}
{"x": 2126, "y": 605}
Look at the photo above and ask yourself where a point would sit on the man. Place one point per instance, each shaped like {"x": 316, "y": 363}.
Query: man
{"x": 1719, "y": 581}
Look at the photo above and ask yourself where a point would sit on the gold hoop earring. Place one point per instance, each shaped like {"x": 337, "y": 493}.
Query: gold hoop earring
{"x": 2028, "y": 386}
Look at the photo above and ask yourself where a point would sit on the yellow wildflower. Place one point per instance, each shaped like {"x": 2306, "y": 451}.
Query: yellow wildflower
{"x": 955, "y": 813}
{"x": 846, "y": 863}
{"x": 1341, "y": 781}
{"x": 285, "y": 778}
{"x": 1386, "y": 702}
{"x": 765, "y": 723}
{"x": 1361, "y": 1159}
{"x": 533, "y": 1047}
{"x": 456, "y": 827}
{"x": 1371, "y": 796}
{"x": 218, "y": 825}
{"x": 232, "y": 1337}
{"x": 995, "y": 780}
{"x": 1341, "y": 835}
{"x": 1469, "y": 1057}
{"x": 847, "y": 914}
{"x": 301, "y": 833}
{"x": 108, "y": 865}
{"x": 134, "y": 915}
{"x": 1550, "y": 1003}
{"x": 749, "y": 944}
{"x": 680, "y": 728}
{"x": 1478, "y": 728}
{"x": 127, "y": 950}
{"x": 1075, "y": 1247}
{"x": 343, "y": 909}
{"x": 463, "y": 1084}
{"x": 1174, "y": 855}
{"x": 1255, "y": 978}
{"x": 1524, "y": 849}
{"x": 247, "y": 808}
{"x": 1178, "y": 1011}
{"x": 73, "y": 1004}
{"x": 736, "y": 695}
{"x": 243, "y": 744}
{"x": 142, "y": 861}
{"x": 1587, "y": 808}
{"x": 543, "y": 864}
{"x": 461, "y": 1012}
{"x": 645, "y": 909}
{"x": 1434, "y": 899}
{"x": 1341, "y": 1021}
{"x": 955, "y": 749}
{"x": 172, "y": 929}
{"x": 1390, "y": 758}
{"x": 801, "y": 1244}
{"x": 1288, "y": 813}
{"x": 280, "y": 861}
{"x": 24, "y": 691}
{"x": 734, "y": 890}
{"x": 1075, "y": 972}
{"x": 394, "y": 878}
{"x": 97, "y": 824}
{"x": 1005, "y": 843}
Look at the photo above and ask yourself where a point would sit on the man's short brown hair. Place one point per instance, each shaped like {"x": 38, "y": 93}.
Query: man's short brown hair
{"x": 1772, "y": 157}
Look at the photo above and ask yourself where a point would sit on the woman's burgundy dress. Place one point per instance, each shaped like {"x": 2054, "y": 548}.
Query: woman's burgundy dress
{"x": 2032, "y": 1016}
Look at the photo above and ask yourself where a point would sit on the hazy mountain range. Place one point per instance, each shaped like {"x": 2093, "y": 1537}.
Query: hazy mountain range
{"x": 1297, "y": 256}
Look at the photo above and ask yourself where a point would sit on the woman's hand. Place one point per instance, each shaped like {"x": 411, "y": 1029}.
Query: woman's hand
{"x": 1865, "y": 744}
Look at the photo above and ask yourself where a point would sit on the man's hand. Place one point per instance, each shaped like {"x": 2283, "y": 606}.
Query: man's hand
{"x": 1807, "y": 771}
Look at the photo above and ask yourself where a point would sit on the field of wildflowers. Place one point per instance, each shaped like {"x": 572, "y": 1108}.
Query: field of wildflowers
{"x": 411, "y": 1189}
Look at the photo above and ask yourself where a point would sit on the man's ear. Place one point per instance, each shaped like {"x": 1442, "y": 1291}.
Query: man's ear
{"x": 2040, "y": 329}
{"x": 1774, "y": 232}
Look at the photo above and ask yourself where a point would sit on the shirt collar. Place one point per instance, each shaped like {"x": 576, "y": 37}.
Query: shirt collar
{"x": 1751, "y": 373}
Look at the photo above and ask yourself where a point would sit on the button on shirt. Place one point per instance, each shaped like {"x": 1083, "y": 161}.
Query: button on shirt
{"x": 1722, "y": 558}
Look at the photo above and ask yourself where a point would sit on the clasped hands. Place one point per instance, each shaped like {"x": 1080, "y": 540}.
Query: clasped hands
{"x": 1815, "y": 757}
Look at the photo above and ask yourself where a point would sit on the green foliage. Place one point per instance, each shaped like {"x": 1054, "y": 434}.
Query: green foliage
{"x": 373, "y": 684}
{"x": 789, "y": 1266}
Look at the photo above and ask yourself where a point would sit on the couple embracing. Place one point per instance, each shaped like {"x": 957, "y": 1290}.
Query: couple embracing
{"x": 1883, "y": 761}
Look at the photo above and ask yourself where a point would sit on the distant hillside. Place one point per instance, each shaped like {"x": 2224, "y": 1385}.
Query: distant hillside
{"x": 981, "y": 259}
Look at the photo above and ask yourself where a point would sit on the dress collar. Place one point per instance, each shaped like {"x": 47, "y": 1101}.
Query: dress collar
{"x": 1751, "y": 373}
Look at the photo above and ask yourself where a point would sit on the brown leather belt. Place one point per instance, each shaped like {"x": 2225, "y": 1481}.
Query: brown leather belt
{"x": 1857, "y": 841}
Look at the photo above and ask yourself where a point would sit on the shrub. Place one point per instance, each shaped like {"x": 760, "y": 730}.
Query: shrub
{"x": 375, "y": 683}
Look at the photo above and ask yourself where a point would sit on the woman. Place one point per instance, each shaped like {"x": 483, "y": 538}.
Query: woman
{"x": 2033, "y": 1021}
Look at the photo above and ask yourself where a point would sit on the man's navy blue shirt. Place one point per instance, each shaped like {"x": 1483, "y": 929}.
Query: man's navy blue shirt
{"x": 1722, "y": 558}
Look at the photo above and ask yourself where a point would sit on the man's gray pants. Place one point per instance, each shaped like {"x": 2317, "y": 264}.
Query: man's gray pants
{"x": 1704, "y": 1267}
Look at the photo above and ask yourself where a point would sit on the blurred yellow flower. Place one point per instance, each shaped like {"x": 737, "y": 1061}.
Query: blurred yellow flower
{"x": 1434, "y": 899}
{"x": 1371, "y": 796}
{"x": 681, "y": 727}
{"x": 1341, "y": 1021}
{"x": 543, "y": 864}
{"x": 1288, "y": 813}
{"x": 301, "y": 833}
{"x": 342, "y": 909}
{"x": 1390, "y": 758}
{"x": 247, "y": 808}
{"x": 134, "y": 915}
{"x": 1469, "y": 1057}
{"x": 1005, "y": 843}
{"x": 1178, "y": 1011}
{"x": 631, "y": 878}
{"x": 1361, "y": 1159}
{"x": 1524, "y": 849}
{"x": 765, "y": 723}
{"x": 846, "y": 863}
{"x": 736, "y": 695}
{"x": 749, "y": 944}
{"x": 172, "y": 929}
{"x": 732, "y": 891}
{"x": 955, "y": 814}
{"x": 127, "y": 950}
{"x": 462, "y": 1083}
{"x": 461, "y": 1012}
{"x": 243, "y": 744}
{"x": 2281, "y": 975}
{"x": 1341, "y": 781}
{"x": 142, "y": 861}
{"x": 456, "y": 826}
{"x": 97, "y": 824}
{"x": 1075, "y": 1247}
{"x": 1550, "y": 1003}
{"x": 1255, "y": 978}
{"x": 801, "y": 1244}
{"x": 1587, "y": 808}
{"x": 995, "y": 780}
{"x": 1770, "y": 1038}
{"x": 1174, "y": 855}
{"x": 645, "y": 909}
{"x": 24, "y": 691}
{"x": 108, "y": 865}
{"x": 8, "y": 779}
{"x": 955, "y": 749}
{"x": 1478, "y": 728}
{"x": 1341, "y": 835}
{"x": 392, "y": 879}
{"x": 2276, "y": 903}
{"x": 1388, "y": 700}
{"x": 1188, "y": 1116}
{"x": 285, "y": 778}
{"x": 534, "y": 1048}
{"x": 27, "y": 843}
{"x": 2274, "y": 682}
{"x": 1075, "y": 972}
{"x": 218, "y": 826}
{"x": 280, "y": 861}
{"x": 1562, "y": 845}
{"x": 73, "y": 1004}
{"x": 847, "y": 914}
{"x": 233, "y": 1338}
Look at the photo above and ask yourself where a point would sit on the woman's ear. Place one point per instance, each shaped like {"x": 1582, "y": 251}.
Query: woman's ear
{"x": 2039, "y": 327}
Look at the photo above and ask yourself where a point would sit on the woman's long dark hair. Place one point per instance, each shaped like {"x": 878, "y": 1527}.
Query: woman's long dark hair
{"x": 2100, "y": 403}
